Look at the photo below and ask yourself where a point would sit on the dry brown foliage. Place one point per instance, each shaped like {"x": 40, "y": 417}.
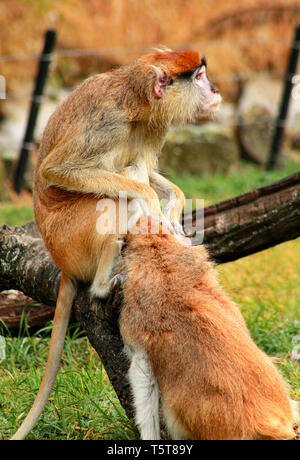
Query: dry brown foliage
{"x": 141, "y": 24}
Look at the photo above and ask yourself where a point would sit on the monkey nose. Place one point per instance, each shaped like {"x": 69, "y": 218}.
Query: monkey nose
{"x": 214, "y": 89}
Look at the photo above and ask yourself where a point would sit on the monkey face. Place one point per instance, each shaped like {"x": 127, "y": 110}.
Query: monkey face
{"x": 188, "y": 98}
{"x": 208, "y": 94}
{"x": 182, "y": 90}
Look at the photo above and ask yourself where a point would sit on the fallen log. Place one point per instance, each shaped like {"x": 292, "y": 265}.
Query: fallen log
{"x": 252, "y": 222}
{"x": 233, "y": 229}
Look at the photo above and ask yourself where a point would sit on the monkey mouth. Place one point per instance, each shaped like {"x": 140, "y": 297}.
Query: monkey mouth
{"x": 206, "y": 113}
{"x": 215, "y": 106}
{"x": 214, "y": 103}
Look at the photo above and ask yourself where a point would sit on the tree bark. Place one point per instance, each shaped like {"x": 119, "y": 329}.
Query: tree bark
{"x": 233, "y": 228}
{"x": 16, "y": 309}
{"x": 252, "y": 222}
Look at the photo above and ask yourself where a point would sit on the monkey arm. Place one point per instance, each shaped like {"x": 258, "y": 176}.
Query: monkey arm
{"x": 80, "y": 178}
{"x": 165, "y": 189}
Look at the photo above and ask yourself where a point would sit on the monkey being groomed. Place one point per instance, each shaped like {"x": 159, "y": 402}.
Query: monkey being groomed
{"x": 103, "y": 139}
{"x": 189, "y": 346}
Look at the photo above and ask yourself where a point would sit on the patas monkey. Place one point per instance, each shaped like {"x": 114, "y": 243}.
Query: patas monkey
{"x": 103, "y": 139}
{"x": 189, "y": 345}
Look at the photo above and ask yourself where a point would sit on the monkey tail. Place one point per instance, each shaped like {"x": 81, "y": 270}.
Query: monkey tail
{"x": 64, "y": 303}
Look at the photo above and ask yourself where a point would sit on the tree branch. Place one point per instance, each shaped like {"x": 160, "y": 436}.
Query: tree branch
{"x": 252, "y": 222}
{"x": 233, "y": 228}
{"x": 26, "y": 265}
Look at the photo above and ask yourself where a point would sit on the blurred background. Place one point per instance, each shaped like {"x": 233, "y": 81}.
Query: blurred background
{"x": 247, "y": 44}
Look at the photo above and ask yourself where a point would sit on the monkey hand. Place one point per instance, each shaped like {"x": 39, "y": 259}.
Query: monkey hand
{"x": 178, "y": 230}
{"x": 179, "y": 233}
{"x": 163, "y": 222}
{"x": 117, "y": 280}
{"x": 173, "y": 228}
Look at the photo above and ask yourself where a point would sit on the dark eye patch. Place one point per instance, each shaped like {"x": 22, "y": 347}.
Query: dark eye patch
{"x": 189, "y": 73}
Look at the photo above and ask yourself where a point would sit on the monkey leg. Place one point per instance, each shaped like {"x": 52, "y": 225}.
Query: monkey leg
{"x": 83, "y": 234}
{"x": 171, "y": 193}
{"x": 174, "y": 207}
{"x": 96, "y": 182}
{"x": 175, "y": 200}
{"x": 68, "y": 224}
{"x": 103, "y": 281}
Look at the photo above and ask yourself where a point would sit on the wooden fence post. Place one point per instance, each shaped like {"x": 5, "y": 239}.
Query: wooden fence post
{"x": 45, "y": 59}
{"x": 286, "y": 94}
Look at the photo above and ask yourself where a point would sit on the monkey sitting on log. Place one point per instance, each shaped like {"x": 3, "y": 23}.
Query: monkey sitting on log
{"x": 189, "y": 346}
{"x": 104, "y": 139}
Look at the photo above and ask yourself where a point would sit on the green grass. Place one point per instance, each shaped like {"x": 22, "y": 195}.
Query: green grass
{"x": 83, "y": 404}
{"x": 217, "y": 187}
{"x": 15, "y": 216}
{"x": 266, "y": 286}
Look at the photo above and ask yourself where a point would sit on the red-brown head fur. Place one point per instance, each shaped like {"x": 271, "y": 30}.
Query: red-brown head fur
{"x": 176, "y": 62}
{"x": 174, "y": 86}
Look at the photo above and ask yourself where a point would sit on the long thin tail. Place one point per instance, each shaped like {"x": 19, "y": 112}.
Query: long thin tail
{"x": 146, "y": 396}
{"x": 64, "y": 303}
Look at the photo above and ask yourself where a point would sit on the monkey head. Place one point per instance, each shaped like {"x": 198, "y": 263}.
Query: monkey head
{"x": 177, "y": 86}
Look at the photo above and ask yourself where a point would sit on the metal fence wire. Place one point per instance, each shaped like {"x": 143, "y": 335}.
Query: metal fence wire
{"x": 46, "y": 58}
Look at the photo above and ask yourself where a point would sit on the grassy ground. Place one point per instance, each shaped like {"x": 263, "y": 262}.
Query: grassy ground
{"x": 217, "y": 187}
{"x": 83, "y": 404}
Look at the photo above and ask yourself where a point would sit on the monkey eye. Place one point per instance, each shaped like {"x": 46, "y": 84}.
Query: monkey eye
{"x": 200, "y": 72}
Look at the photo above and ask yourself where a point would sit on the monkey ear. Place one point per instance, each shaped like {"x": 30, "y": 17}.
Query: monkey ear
{"x": 161, "y": 82}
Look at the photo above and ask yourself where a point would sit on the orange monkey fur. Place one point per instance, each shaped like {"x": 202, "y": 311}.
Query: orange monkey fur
{"x": 215, "y": 383}
{"x": 102, "y": 139}
{"x": 177, "y": 63}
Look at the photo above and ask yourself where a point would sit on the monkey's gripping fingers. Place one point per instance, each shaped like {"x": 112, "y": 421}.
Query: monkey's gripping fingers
{"x": 181, "y": 236}
{"x": 172, "y": 196}
{"x": 117, "y": 279}
{"x": 178, "y": 230}
{"x": 167, "y": 227}
{"x": 147, "y": 208}
{"x": 143, "y": 205}
{"x": 184, "y": 240}
{"x": 175, "y": 228}
{"x": 179, "y": 233}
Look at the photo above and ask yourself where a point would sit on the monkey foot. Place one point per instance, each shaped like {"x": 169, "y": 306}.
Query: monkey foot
{"x": 102, "y": 291}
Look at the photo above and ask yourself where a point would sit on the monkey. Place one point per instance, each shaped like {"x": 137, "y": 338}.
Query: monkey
{"x": 104, "y": 138}
{"x": 188, "y": 344}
